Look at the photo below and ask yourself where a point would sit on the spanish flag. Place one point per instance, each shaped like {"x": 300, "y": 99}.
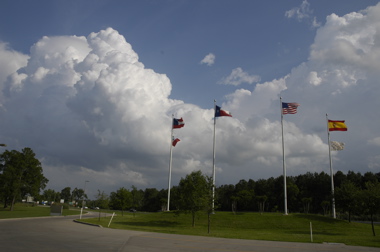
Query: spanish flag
{"x": 337, "y": 125}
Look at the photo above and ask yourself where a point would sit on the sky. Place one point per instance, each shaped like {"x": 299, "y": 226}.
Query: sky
{"x": 91, "y": 87}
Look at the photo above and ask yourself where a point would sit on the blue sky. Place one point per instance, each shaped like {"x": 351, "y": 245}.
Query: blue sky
{"x": 260, "y": 50}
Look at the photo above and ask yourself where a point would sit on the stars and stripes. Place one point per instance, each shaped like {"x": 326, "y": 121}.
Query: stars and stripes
{"x": 289, "y": 107}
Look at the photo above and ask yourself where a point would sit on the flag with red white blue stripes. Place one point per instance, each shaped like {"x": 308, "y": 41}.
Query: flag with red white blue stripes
{"x": 289, "y": 108}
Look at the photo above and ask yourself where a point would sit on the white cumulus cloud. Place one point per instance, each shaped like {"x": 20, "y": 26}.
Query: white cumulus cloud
{"x": 209, "y": 59}
{"x": 238, "y": 76}
{"x": 92, "y": 111}
{"x": 303, "y": 12}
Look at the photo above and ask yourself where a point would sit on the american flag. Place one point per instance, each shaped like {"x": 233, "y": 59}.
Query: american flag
{"x": 289, "y": 108}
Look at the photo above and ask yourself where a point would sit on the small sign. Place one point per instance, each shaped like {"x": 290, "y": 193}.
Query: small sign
{"x": 56, "y": 210}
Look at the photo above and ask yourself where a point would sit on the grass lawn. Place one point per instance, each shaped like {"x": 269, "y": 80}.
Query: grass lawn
{"x": 268, "y": 226}
{"x": 27, "y": 210}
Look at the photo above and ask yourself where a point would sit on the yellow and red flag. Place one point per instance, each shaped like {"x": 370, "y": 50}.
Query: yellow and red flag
{"x": 337, "y": 125}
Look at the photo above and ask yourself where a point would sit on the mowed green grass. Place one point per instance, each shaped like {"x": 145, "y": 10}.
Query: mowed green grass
{"x": 267, "y": 226}
{"x": 26, "y": 210}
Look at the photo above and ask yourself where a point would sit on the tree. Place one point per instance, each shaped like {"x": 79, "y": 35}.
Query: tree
{"x": 306, "y": 204}
{"x": 315, "y": 186}
{"x": 322, "y": 190}
{"x": 195, "y": 193}
{"x": 102, "y": 200}
{"x": 162, "y": 196}
{"x": 261, "y": 201}
{"x": 244, "y": 199}
{"x": 292, "y": 191}
{"x": 78, "y": 195}
{"x": 50, "y": 195}
{"x": 371, "y": 200}
{"x": 243, "y": 195}
{"x": 355, "y": 178}
{"x": 121, "y": 199}
{"x": 137, "y": 198}
{"x": 151, "y": 202}
{"x": 241, "y": 185}
{"x": 174, "y": 198}
{"x": 234, "y": 200}
{"x": 265, "y": 187}
{"x": 224, "y": 194}
{"x": 325, "y": 205}
{"x": 278, "y": 193}
{"x": 346, "y": 197}
{"x": 369, "y": 177}
{"x": 66, "y": 194}
{"x": 154, "y": 200}
{"x": 21, "y": 175}
{"x": 339, "y": 178}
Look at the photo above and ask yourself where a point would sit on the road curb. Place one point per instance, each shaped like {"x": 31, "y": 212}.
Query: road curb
{"x": 89, "y": 224}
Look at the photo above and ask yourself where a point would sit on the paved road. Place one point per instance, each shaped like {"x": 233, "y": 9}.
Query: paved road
{"x": 58, "y": 234}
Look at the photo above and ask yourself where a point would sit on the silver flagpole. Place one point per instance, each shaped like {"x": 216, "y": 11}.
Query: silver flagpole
{"x": 170, "y": 164}
{"x": 331, "y": 170}
{"x": 283, "y": 160}
{"x": 213, "y": 161}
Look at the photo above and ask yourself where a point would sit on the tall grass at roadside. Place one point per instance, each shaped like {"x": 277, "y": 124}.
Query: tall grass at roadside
{"x": 267, "y": 226}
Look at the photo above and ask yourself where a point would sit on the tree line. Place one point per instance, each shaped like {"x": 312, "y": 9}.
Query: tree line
{"x": 355, "y": 195}
{"x": 306, "y": 193}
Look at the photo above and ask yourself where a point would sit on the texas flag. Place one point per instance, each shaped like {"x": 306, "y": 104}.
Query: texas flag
{"x": 220, "y": 112}
{"x": 178, "y": 123}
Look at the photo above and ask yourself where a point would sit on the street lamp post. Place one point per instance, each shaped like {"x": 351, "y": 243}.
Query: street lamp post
{"x": 84, "y": 192}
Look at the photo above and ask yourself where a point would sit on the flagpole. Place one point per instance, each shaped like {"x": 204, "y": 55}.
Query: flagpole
{"x": 170, "y": 164}
{"x": 283, "y": 160}
{"x": 213, "y": 161}
{"x": 331, "y": 169}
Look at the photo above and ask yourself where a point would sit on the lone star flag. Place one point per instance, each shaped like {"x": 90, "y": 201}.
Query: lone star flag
{"x": 178, "y": 123}
{"x": 337, "y": 125}
{"x": 289, "y": 108}
{"x": 220, "y": 112}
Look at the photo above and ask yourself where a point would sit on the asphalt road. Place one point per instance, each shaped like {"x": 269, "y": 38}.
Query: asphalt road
{"x": 58, "y": 234}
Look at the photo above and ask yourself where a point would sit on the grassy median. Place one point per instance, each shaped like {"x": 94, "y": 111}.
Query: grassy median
{"x": 267, "y": 226}
{"x": 23, "y": 210}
